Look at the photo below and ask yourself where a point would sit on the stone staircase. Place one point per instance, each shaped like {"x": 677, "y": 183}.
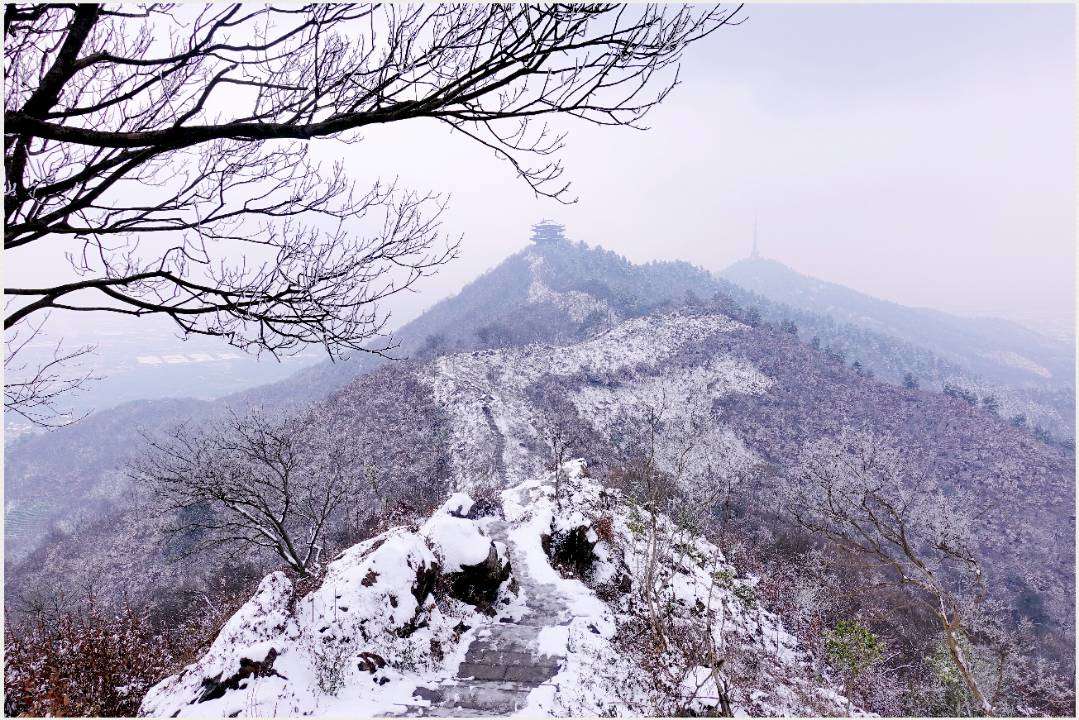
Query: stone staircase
{"x": 503, "y": 664}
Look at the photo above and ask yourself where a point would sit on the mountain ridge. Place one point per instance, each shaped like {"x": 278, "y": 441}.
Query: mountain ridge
{"x": 558, "y": 292}
{"x": 549, "y": 644}
{"x": 735, "y": 402}
{"x": 781, "y": 283}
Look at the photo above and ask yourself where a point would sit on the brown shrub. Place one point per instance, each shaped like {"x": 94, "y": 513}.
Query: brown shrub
{"x": 604, "y": 527}
{"x": 96, "y": 663}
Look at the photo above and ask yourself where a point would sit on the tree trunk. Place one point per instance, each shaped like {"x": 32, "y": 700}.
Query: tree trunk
{"x": 650, "y": 582}
{"x": 956, "y": 651}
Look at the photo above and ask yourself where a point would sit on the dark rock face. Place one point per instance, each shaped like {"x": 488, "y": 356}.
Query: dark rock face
{"x": 215, "y": 687}
{"x": 426, "y": 577}
{"x": 484, "y": 507}
{"x": 478, "y": 584}
{"x": 571, "y": 551}
{"x": 370, "y": 662}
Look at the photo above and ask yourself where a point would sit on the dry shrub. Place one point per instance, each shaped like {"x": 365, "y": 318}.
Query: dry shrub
{"x": 96, "y": 663}
{"x": 604, "y": 527}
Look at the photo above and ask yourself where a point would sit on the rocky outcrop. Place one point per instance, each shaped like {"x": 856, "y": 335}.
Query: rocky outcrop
{"x": 215, "y": 687}
{"x": 493, "y": 615}
{"x": 386, "y": 612}
{"x": 572, "y": 551}
{"x": 479, "y": 584}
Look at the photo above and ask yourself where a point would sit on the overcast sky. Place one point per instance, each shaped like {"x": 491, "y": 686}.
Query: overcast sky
{"x": 924, "y": 154}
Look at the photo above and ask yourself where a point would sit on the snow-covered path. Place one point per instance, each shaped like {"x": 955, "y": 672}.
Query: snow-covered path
{"x": 547, "y": 648}
{"x": 507, "y": 660}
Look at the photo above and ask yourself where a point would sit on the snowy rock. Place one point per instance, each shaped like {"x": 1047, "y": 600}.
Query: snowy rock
{"x": 365, "y": 637}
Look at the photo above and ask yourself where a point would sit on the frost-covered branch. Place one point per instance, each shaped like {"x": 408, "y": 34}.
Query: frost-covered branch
{"x": 253, "y": 480}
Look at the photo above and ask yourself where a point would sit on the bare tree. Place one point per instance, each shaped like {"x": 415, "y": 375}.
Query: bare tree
{"x": 559, "y": 427}
{"x": 164, "y": 151}
{"x": 252, "y": 481}
{"x": 663, "y": 460}
{"x": 866, "y": 497}
{"x": 33, "y": 388}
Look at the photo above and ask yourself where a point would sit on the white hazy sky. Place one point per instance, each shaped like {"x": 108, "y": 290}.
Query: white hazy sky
{"x": 924, "y": 154}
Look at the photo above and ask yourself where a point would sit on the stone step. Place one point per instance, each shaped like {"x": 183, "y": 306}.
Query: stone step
{"x": 533, "y": 674}
{"x": 498, "y": 656}
{"x": 515, "y": 629}
{"x": 541, "y": 622}
{"x": 508, "y": 643}
{"x": 504, "y": 698}
{"x": 503, "y": 663}
{"x": 440, "y": 711}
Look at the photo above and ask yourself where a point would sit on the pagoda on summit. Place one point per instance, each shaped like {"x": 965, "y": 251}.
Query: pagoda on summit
{"x": 548, "y": 232}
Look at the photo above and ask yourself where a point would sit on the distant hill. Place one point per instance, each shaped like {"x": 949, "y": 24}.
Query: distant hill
{"x": 1027, "y": 373}
{"x": 998, "y": 350}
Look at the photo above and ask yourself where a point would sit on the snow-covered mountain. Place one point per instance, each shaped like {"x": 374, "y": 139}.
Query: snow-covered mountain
{"x": 510, "y": 599}
{"x": 730, "y": 400}
{"x": 766, "y": 394}
{"x": 555, "y": 293}
{"x": 1000, "y": 350}
{"x": 476, "y": 612}
{"x": 487, "y": 397}
{"x": 560, "y": 341}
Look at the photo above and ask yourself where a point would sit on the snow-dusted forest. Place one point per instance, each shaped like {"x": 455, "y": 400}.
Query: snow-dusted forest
{"x": 578, "y": 485}
{"x": 739, "y": 435}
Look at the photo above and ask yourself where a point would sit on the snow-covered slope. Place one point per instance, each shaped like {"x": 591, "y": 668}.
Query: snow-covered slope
{"x": 385, "y": 632}
{"x": 364, "y": 638}
{"x": 525, "y": 602}
{"x": 510, "y": 599}
{"x": 541, "y": 294}
{"x": 495, "y": 425}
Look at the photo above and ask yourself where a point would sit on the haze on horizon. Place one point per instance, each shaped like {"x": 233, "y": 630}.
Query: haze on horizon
{"x": 921, "y": 154}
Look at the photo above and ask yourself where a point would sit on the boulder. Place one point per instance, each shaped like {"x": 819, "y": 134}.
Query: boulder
{"x": 478, "y": 584}
{"x": 572, "y": 551}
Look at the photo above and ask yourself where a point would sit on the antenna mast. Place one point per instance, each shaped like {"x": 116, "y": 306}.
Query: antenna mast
{"x": 755, "y": 255}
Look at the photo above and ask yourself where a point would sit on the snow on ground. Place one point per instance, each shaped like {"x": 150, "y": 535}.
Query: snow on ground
{"x": 364, "y": 638}
{"x": 597, "y": 676}
{"x": 578, "y": 305}
{"x": 719, "y": 377}
{"x": 493, "y": 422}
{"x": 380, "y": 623}
{"x": 1021, "y": 362}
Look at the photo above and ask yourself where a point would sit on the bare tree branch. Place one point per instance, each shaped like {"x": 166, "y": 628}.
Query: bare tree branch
{"x": 33, "y": 388}
{"x": 165, "y": 150}
{"x": 250, "y": 480}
